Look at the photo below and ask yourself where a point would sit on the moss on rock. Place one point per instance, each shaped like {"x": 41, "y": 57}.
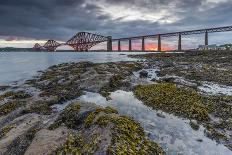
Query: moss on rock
{"x": 10, "y": 106}
{"x": 15, "y": 95}
{"x": 179, "y": 101}
{"x": 90, "y": 119}
{"x": 40, "y": 107}
{"x": 128, "y": 137}
{"x": 76, "y": 144}
{"x": 5, "y": 130}
{"x": 69, "y": 117}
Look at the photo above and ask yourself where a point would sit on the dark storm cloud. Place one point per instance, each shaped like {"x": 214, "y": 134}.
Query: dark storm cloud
{"x": 60, "y": 19}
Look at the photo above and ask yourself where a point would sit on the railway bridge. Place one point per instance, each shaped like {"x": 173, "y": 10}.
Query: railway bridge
{"x": 84, "y": 41}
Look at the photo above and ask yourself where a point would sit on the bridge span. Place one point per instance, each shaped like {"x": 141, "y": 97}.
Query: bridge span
{"x": 84, "y": 41}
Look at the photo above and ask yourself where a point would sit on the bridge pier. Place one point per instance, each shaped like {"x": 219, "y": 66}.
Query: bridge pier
{"x": 119, "y": 45}
{"x": 143, "y": 44}
{"x": 179, "y": 43}
{"x": 206, "y": 38}
{"x": 130, "y": 45}
{"x": 159, "y": 43}
{"x": 109, "y": 44}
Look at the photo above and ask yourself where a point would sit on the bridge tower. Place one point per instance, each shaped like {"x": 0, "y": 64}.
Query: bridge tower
{"x": 119, "y": 45}
{"x": 37, "y": 47}
{"x": 51, "y": 45}
{"x": 109, "y": 44}
{"x": 206, "y": 38}
{"x": 130, "y": 44}
{"x": 179, "y": 43}
{"x": 143, "y": 44}
{"x": 159, "y": 43}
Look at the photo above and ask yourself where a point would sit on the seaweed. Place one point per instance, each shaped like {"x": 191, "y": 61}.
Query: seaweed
{"x": 172, "y": 99}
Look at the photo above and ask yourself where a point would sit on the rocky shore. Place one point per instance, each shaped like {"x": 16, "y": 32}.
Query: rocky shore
{"x": 31, "y": 123}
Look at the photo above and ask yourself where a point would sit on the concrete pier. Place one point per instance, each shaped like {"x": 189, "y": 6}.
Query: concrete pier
{"x": 159, "y": 43}
{"x": 179, "y": 43}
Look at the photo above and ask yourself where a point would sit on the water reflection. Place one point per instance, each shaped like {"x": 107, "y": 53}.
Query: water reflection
{"x": 172, "y": 133}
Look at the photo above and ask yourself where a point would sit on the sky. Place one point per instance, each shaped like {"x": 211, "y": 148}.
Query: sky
{"x": 26, "y": 22}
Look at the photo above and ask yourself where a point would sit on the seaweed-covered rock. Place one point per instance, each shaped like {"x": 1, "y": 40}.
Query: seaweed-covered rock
{"x": 103, "y": 131}
{"x": 168, "y": 97}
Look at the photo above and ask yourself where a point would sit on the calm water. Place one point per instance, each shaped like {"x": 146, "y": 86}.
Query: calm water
{"x": 18, "y": 66}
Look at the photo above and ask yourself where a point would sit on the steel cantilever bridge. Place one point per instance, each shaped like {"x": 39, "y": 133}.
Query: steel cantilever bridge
{"x": 84, "y": 41}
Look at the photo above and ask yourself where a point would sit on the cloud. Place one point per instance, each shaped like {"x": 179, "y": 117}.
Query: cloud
{"x": 61, "y": 19}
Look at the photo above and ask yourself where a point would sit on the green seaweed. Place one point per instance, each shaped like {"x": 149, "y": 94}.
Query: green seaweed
{"x": 5, "y": 130}
{"x": 179, "y": 101}
{"x": 68, "y": 117}
{"x": 128, "y": 136}
{"x": 90, "y": 119}
{"x": 40, "y": 107}
{"x": 10, "y": 106}
{"x": 15, "y": 95}
{"x": 76, "y": 144}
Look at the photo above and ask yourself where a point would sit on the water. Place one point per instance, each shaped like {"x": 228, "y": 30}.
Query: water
{"x": 18, "y": 66}
{"x": 174, "y": 134}
{"x": 215, "y": 89}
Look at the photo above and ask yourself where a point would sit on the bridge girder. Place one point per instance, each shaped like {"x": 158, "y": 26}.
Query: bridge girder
{"x": 51, "y": 45}
{"x": 83, "y": 41}
{"x": 37, "y": 47}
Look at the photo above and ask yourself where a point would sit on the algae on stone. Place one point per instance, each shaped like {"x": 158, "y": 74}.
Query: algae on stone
{"x": 69, "y": 117}
{"x": 5, "y": 130}
{"x": 15, "y": 95}
{"x": 9, "y": 107}
{"x": 76, "y": 144}
{"x": 128, "y": 137}
{"x": 179, "y": 101}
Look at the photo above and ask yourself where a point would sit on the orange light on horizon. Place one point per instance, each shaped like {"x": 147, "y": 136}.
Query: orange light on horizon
{"x": 148, "y": 47}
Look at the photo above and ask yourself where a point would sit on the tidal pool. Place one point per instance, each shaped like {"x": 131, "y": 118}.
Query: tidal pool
{"x": 174, "y": 134}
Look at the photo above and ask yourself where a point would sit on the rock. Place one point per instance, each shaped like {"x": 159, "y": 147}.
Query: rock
{"x": 46, "y": 141}
{"x": 143, "y": 74}
{"x": 3, "y": 88}
{"x": 199, "y": 140}
{"x": 160, "y": 115}
{"x": 158, "y": 73}
{"x": 194, "y": 125}
{"x": 167, "y": 79}
{"x": 22, "y": 125}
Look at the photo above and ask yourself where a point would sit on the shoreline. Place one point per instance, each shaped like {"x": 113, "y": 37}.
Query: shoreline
{"x": 68, "y": 81}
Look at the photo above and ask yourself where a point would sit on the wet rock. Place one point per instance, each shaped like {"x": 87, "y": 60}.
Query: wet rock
{"x": 18, "y": 136}
{"x": 194, "y": 125}
{"x": 47, "y": 141}
{"x": 167, "y": 79}
{"x": 3, "y": 88}
{"x": 143, "y": 74}
{"x": 160, "y": 115}
{"x": 103, "y": 131}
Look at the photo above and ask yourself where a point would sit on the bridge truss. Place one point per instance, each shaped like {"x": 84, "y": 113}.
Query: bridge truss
{"x": 82, "y": 41}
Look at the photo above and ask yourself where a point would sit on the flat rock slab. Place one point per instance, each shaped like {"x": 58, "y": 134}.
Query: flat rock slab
{"x": 47, "y": 141}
